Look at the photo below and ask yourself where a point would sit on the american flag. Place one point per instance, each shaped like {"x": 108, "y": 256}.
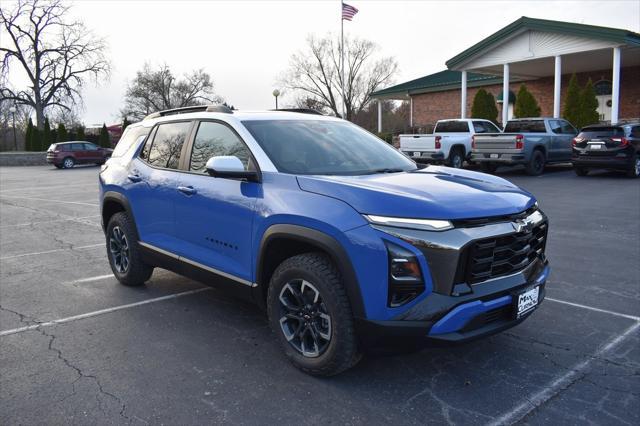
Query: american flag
{"x": 348, "y": 12}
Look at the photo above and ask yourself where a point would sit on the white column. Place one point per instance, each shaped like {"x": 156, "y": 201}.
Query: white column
{"x": 557, "y": 82}
{"x": 379, "y": 116}
{"x": 615, "y": 89}
{"x": 410, "y": 111}
{"x": 463, "y": 96}
{"x": 505, "y": 94}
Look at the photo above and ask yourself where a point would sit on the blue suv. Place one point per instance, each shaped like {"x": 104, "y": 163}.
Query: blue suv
{"x": 343, "y": 240}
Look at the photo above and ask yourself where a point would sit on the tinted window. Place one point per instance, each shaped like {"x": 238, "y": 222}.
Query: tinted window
{"x": 77, "y": 147}
{"x": 90, "y": 147}
{"x": 491, "y": 128}
{"x": 167, "y": 144}
{"x": 451, "y": 127}
{"x": 635, "y": 132}
{"x": 567, "y": 128}
{"x": 603, "y": 132}
{"x": 478, "y": 127}
{"x": 216, "y": 139}
{"x": 131, "y": 135}
{"x": 525, "y": 126}
{"x": 325, "y": 147}
{"x": 556, "y": 126}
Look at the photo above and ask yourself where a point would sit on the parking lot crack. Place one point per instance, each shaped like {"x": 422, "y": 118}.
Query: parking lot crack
{"x": 23, "y": 318}
{"x": 83, "y": 375}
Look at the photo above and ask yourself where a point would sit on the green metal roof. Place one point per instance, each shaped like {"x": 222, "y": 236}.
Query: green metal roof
{"x": 590, "y": 31}
{"x": 443, "y": 80}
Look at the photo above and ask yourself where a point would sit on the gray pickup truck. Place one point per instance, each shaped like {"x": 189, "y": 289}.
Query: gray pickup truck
{"x": 533, "y": 142}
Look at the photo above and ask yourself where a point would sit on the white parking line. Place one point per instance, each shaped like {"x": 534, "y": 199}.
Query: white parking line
{"x": 11, "y": 197}
{"x": 38, "y": 188}
{"x": 68, "y": 219}
{"x": 91, "y": 279}
{"x": 549, "y": 391}
{"x": 591, "y": 308}
{"x": 101, "y": 312}
{"x": 51, "y": 251}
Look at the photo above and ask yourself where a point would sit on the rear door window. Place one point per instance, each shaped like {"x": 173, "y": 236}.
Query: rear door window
{"x": 90, "y": 147}
{"x": 77, "y": 147}
{"x": 452, "y": 127}
{"x": 131, "y": 137}
{"x": 166, "y": 147}
{"x": 525, "y": 126}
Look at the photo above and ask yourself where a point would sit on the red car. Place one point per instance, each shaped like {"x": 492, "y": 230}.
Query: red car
{"x": 67, "y": 154}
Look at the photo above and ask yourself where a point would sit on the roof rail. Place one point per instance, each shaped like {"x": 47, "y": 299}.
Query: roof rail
{"x": 300, "y": 110}
{"x": 185, "y": 110}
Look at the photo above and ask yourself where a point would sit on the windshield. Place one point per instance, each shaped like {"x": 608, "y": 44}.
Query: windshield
{"x": 322, "y": 147}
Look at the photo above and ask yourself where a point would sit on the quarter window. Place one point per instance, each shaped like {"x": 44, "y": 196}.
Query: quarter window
{"x": 90, "y": 147}
{"x": 216, "y": 139}
{"x": 167, "y": 145}
{"x": 130, "y": 138}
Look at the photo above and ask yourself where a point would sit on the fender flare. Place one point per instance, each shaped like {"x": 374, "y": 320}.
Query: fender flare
{"x": 120, "y": 199}
{"x": 327, "y": 244}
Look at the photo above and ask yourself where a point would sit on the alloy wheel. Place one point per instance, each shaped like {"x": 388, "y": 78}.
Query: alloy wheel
{"x": 304, "y": 319}
{"x": 68, "y": 163}
{"x": 119, "y": 248}
{"x": 638, "y": 166}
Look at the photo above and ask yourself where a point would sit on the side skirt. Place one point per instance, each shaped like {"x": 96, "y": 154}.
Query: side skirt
{"x": 166, "y": 260}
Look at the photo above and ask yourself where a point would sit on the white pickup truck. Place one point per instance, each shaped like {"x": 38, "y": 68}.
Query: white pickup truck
{"x": 450, "y": 142}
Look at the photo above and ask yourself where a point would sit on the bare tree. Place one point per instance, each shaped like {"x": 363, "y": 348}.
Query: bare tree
{"x": 315, "y": 73}
{"x": 157, "y": 89}
{"x": 56, "y": 55}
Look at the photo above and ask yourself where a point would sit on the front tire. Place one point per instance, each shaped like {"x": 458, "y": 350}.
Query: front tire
{"x": 124, "y": 253}
{"x": 310, "y": 313}
{"x": 535, "y": 167}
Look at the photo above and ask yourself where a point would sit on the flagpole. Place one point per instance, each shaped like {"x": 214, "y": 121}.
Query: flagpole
{"x": 344, "y": 104}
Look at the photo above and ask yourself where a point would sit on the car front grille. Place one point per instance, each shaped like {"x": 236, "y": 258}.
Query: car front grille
{"x": 495, "y": 257}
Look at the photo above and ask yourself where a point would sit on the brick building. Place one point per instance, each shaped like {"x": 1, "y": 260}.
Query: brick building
{"x": 541, "y": 54}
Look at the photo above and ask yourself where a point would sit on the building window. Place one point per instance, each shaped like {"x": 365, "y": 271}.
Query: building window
{"x": 603, "y": 87}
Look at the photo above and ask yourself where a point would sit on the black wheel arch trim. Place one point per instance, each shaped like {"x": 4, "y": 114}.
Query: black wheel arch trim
{"x": 113, "y": 196}
{"x": 323, "y": 242}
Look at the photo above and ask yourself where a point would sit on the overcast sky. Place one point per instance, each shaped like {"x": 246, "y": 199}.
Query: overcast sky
{"x": 245, "y": 45}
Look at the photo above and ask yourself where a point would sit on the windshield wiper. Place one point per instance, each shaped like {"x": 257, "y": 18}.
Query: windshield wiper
{"x": 387, "y": 170}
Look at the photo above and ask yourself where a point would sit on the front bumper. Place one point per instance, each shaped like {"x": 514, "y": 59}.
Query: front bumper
{"x": 458, "y": 319}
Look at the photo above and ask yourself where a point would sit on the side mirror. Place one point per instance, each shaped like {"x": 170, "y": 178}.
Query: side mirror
{"x": 228, "y": 166}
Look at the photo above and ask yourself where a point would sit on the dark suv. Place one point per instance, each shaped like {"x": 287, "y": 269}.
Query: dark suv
{"x": 341, "y": 238}
{"x": 67, "y": 154}
{"x": 607, "y": 147}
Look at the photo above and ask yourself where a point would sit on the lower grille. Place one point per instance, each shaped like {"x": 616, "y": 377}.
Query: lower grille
{"x": 495, "y": 257}
{"x": 503, "y": 313}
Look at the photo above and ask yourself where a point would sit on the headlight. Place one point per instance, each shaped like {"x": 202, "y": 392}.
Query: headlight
{"x": 401, "y": 222}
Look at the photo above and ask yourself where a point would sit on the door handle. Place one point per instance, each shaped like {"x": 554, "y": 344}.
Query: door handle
{"x": 187, "y": 190}
{"x": 134, "y": 177}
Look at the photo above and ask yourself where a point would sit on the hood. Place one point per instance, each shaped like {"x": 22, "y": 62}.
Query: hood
{"x": 431, "y": 193}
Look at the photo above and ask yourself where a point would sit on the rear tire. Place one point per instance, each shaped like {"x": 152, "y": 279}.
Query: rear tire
{"x": 535, "y": 167}
{"x": 580, "y": 171}
{"x": 634, "y": 171}
{"x": 310, "y": 313}
{"x": 124, "y": 253}
{"x": 456, "y": 158}
{"x": 68, "y": 163}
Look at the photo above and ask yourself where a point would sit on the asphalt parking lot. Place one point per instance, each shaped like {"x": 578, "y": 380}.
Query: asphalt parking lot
{"x": 78, "y": 348}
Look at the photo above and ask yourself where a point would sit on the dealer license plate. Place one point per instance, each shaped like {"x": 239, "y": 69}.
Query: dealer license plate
{"x": 527, "y": 301}
{"x": 417, "y": 153}
{"x": 494, "y": 155}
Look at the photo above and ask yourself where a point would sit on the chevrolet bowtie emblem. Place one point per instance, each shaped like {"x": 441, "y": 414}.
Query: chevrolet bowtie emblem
{"x": 522, "y": 225}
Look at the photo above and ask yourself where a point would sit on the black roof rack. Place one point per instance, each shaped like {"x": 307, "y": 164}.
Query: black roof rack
{"x": 185, "y": 110}
{"x": 300, "y": 110}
